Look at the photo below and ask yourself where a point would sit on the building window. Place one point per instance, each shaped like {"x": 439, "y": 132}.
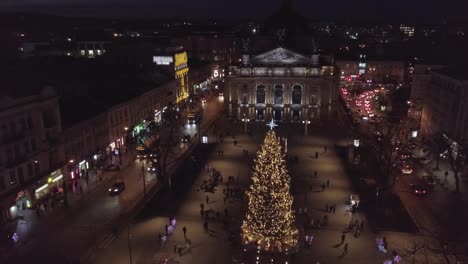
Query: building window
{"x": 82, "y": 52}
{"x": 297, "y": 94}
{"x": 30, "y": 170}
{"x": 20, "y": 175}
{"x": 12, "y": 178}
{"x": 2, "y": 183}
{"x": 313, "y": 100}
{"x": 244, "y": 99}
{"x": 260, "y": 94}
{"x": 278, "y": 94}
{"x": 33, "y": 144}
{"x": 30, "y": 122}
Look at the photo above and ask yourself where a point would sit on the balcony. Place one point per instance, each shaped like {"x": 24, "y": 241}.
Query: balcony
{"x": 11, "y": 139}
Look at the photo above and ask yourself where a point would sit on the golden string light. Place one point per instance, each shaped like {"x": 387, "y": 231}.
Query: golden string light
{"x": 269, "y": 221}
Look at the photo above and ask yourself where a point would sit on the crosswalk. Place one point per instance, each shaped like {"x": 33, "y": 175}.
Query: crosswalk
{"x": 106, "y": 241}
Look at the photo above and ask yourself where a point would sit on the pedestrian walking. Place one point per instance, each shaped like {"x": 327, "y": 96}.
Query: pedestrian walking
{"x": 202, "y": 213}
{"x": 315, "y": 173}
{"x": 202, "y": 206}
{"x": 343, "y": 237}
{"x": 207, "y": 199}
{"x": 316, "y": 155}
{"x": 446, "y": 175}
{"x": 328, "y": 183}
{"x": 323, "y": 187}
{"x": 184, "y": 229}
{"x": 325, "y": 149}
{"x": 167, "y": 230}
{"x": 205, "y": 226}
{"x": 345, "y": 249}
{"x": 358, "y": 232}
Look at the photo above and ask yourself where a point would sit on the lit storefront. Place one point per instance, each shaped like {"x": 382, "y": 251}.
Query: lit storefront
{"x": 53, "y": 183}
{"x": 157, "y": 116}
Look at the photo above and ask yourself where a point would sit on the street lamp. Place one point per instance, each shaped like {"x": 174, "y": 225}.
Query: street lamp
{"x": 306, "y": 126}
{"x": 245, "y": 123}
{"x": 144, "y": 181}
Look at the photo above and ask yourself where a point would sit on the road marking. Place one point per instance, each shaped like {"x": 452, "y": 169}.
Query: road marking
{"x": 106, "y": 242}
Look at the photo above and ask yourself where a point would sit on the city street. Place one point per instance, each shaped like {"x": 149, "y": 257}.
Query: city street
{"x": 66, "y": 234}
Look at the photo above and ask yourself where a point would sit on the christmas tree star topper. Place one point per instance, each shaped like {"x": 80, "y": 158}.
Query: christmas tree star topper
{"x": 272, "y": 124}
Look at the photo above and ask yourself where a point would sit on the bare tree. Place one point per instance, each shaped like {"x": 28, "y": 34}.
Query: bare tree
{"x": 438, "y": 147}
{"x": 457, "y": 160}
{"x": 389, "y": 148}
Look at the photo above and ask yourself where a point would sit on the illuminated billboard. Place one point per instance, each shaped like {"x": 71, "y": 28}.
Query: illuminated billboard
{"x": 180, "y": 60}
{"x": 163, "y": 60}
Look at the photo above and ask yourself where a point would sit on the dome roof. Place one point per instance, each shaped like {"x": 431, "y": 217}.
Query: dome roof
{"x": 291, "y": 29}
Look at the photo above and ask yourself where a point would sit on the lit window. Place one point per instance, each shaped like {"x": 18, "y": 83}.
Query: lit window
{"x": 82, "y": 52}
{"x": 91, "y": 53}
{"x": 98, "y": 52}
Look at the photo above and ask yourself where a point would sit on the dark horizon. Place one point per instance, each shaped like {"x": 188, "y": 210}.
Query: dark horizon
{"x": 398, "y": 11}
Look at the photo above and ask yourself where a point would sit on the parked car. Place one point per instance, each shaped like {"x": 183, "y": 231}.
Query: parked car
{"x": 429, "y": 180}
{"x": 425, "y": 160}
{"x": 117, "y": 187}
{"x": 111, "y": 167}
{"x": 419, "y": 189}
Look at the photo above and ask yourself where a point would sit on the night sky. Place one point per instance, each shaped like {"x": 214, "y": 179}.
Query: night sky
{"x": 394, "y": 10}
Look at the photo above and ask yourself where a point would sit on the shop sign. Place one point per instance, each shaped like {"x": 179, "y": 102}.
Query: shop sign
{"x": 163, "y": 60}
{"x": 180, "y": 60}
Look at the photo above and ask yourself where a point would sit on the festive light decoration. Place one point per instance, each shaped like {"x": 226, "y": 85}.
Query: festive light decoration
{"x": 269, "y": 221}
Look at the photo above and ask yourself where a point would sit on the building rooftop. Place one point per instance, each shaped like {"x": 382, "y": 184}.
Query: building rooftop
{"x": 86, "y": 87}
{"x": 459, "y": 72}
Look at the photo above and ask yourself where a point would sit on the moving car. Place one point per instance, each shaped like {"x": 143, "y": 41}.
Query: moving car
{"x": 406, "y": 168}
{"x": 141, "y": 152}
{"x": 111, "y": 167}
{"x": 405, "y": 155}
{"x": 419, "y": 189}
{"x": 152, "y": 167}
{"x": 185, "y": 138}
{"x": 117, "y": 187}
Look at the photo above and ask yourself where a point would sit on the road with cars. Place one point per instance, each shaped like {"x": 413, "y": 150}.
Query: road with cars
{"x": 425, "y": 193}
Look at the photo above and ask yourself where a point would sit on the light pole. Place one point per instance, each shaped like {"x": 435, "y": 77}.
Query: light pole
{"x": 245, "y": 124}
{"x": 144, "y": 181}
{"x": 129, "y": 240}
{"x": 306, "y": 125}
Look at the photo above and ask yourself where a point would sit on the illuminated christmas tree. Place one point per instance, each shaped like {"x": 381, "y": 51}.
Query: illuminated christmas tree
{"x": 269, "y": 221}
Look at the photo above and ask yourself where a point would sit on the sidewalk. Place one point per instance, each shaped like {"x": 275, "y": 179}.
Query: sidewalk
{"x": 221, "y": 245}
{"x": 34, "y": 224}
